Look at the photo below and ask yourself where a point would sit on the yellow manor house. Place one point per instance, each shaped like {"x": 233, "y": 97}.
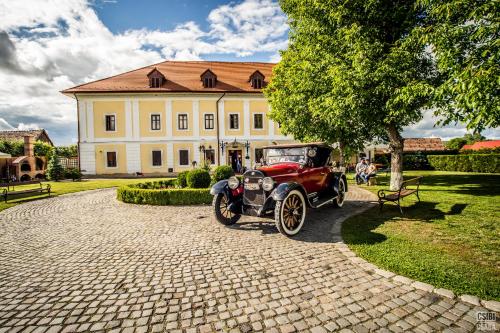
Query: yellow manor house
{"x": 171, "y": 116}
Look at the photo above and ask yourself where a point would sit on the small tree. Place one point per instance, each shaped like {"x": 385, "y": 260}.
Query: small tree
{"x": 55, "y": 170}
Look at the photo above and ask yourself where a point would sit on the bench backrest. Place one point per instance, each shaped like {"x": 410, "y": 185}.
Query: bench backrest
{"x": 31, "y": 182}
{"x": 413, "y": 182}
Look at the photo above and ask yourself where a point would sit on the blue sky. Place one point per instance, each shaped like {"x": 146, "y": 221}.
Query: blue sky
{"x": 49, "y": 45}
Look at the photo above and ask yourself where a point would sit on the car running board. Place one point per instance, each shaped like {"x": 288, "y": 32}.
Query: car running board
{"x": 315, "y": 202}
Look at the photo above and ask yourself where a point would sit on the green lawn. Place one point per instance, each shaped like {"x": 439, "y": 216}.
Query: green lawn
{"x": 451, "y": 239}
{"x": 64, "y": 187}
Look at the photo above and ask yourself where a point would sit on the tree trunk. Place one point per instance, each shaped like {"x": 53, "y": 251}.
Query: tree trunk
{"x": 341, "y": 153}
{"x": 396, "y": 149}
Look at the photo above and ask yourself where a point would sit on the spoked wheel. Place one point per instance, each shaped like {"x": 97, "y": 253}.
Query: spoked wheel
{"x": 339, "y": 201}
{"x": 220, "y": 205}
{"x": 290, "y": 213}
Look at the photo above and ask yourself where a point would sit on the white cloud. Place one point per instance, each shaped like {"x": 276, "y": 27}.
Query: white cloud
{"x": 52, "y": 45}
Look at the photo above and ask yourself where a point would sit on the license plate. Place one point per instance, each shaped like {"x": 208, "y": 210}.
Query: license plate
{"x": 252, "y": 187}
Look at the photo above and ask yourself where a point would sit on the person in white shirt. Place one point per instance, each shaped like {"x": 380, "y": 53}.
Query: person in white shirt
{"x": 360, "y": 170}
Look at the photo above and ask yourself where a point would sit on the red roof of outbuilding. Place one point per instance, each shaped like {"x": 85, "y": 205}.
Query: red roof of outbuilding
{"x": 482, "y": 145}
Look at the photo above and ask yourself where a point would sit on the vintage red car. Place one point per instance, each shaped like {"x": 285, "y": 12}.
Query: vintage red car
{"x": 293, "y": 178}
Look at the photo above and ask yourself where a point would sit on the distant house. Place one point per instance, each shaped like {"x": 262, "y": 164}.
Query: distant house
{"x": 482, "y": 145}
{"x": 423, "y": 144}
{"x": 19, "y": 135}
{"x": 411, "y": 145}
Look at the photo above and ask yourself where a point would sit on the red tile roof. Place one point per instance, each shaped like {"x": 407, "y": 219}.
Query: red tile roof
{"x": 482, "y": 145}
{"x": 423, "y": 144}
{"x": 181, "y": 76}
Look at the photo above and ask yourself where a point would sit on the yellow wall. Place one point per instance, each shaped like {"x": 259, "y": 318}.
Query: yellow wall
{"x": 259, "y": 107}
{"x": 146, "y": 109}
{"x": 233, "y": 107}
{"x": 101, "y": 109}
{"x": 147, "y": 158}
{"x": 100, "y": 158}
{"x": 179, "y": 146}
{"x": 182, "y": 107}
{"x": 207, "y": 107}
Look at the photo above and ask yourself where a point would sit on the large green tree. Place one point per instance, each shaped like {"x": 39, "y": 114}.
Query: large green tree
{"x": 464, "y": 36}
{"x": 352, "y": 72}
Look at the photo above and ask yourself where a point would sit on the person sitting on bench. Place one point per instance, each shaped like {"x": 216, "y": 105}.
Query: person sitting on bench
{"x": 360, "y": 170}
{"x": 370, "y": 171}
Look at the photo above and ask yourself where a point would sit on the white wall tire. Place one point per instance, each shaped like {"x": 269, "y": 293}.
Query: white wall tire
{"x": 339, "y": 200}
{"x": 290, "y": 214}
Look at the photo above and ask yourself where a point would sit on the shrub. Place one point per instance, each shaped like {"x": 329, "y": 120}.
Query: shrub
{"x": 174, "y": 196}
{"x": 222, "y": 172}
{"x": 156, "y": 185}
{"x": 73, "y": 173}
{"x": 181, "y": 179}
{"x": 416, "y": 161}
{"x": 466, "y": 162}
{"x": 55, "y": 170}
{"x": 198, "y": 178}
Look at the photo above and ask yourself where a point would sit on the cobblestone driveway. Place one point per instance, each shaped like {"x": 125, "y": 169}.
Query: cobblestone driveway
{"x": 86, "y": 262}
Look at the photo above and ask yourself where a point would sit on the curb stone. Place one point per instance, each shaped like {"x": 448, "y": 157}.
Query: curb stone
{"x": 474, "y": 300}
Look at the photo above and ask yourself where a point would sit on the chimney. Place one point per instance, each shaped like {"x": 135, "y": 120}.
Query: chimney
{"x": 29, "y": 147}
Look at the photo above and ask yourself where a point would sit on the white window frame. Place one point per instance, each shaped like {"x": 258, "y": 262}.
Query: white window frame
{"x": 150, "y": 123}
{"x": 209, "y": 129}
{"x": 179, "y": 157}
{"x": 263, "y": 120}
{"x": 177, "y": 120}
{"x": 116, "y": 122}
{"x": 106, "y": 159}
{"x": 229, "y": 121}
{"x": 161, "y": 158}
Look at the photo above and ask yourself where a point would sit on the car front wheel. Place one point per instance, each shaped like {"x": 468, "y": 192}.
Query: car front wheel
{"x": 290, "y": 213}
{"x": 220, "y": 206}
{"x": 339, "y": 200}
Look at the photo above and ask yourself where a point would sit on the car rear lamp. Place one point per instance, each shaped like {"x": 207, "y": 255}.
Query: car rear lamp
{"x": 267, "y": 184}
{"x": 233, "y": 183}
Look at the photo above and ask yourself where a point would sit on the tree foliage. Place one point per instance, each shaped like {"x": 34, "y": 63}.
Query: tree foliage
{"x": 465, "y": 38}
{"x": 55, "y": 171}
{"x": 67, "y": 151}
{"x": 351, "y": 72}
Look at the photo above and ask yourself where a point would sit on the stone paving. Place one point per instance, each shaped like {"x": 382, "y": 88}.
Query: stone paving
{"x": 86, "y": 262}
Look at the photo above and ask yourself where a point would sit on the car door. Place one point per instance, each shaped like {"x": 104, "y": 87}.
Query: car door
{"x": 312, "y": 178}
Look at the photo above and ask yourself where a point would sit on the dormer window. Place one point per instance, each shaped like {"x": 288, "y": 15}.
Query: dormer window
{"x": 209, "y": 79}
{"x": 257, "y": 80}
{"x": 156, "y": 78}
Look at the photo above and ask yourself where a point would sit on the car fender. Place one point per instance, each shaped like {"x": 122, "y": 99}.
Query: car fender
{"x": 220, "y": 187}
{"x": 336, "y": 180}
{"x": 282, "y": 190}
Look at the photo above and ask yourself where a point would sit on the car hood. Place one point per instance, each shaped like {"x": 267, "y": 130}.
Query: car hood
{"x": 279, "y": 169}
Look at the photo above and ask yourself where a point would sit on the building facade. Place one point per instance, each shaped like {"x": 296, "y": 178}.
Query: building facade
{"x": 174, "y": 115}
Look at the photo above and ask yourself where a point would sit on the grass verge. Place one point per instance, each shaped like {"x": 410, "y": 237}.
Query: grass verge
{"x": 451, "y": 239}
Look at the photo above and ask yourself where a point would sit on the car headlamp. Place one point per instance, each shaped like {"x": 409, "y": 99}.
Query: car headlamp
{"x": 233, "y": 182}
{"x": 267, "y": 184}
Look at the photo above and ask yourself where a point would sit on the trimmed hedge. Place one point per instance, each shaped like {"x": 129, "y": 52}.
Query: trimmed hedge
{"x": 156, "y": 185}
{"x": 163, "y": 197}
{"x": 222, "y": 172}
{"x": 488, "y": 163}
{"x": 198, "y": 178}
{"x": 182, "y": 179}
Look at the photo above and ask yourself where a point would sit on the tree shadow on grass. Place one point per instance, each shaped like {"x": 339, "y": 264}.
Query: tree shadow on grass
{"x": 360, "y": 229}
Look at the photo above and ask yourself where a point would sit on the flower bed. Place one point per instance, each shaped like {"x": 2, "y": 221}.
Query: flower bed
{"x": 163, "y": 192}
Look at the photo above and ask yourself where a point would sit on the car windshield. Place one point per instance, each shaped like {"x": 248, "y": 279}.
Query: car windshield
{"x": 279, "y": 155}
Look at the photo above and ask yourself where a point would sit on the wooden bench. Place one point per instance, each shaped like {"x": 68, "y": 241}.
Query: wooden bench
{"x": 10, "y": 190}
{"x": 408, "y": 187}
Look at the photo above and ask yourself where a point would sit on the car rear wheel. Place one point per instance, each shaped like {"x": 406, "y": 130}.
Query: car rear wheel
{"x": 290, "y": 213}
{"x": 220, "y": 205}
{"x": 339, "y": 201}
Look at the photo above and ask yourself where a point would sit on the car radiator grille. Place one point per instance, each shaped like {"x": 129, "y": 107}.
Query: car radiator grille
{"x": 253, "y": 197}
